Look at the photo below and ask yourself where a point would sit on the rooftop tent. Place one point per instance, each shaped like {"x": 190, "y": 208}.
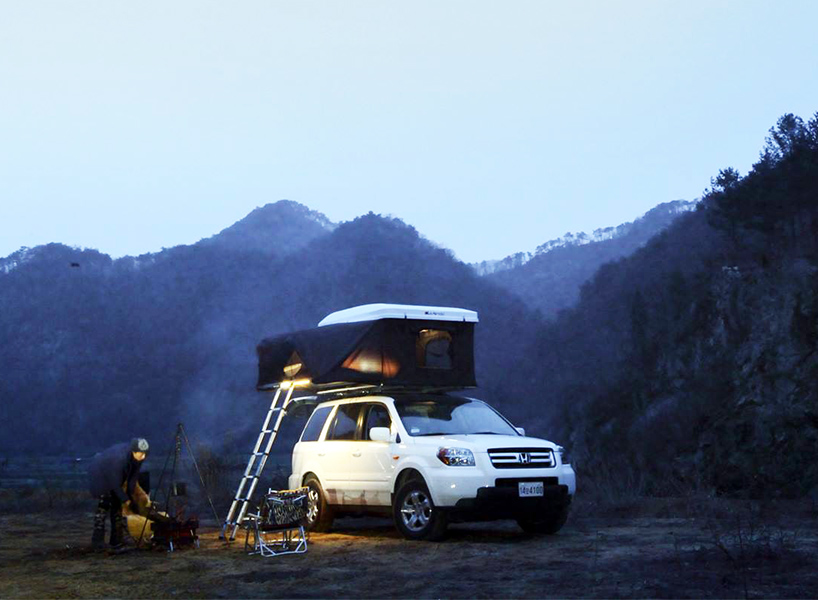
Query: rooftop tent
{"x": 379, "y": 344}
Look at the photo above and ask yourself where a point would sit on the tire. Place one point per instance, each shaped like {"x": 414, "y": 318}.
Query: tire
{"x": 319, "y": 513}
{"x": 548, "y": 524}
{"x": 415, "y": 514}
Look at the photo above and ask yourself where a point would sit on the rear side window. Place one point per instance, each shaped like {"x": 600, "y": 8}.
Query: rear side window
{"x": 345, "y": 424}
{"x": 377, "y": 415}
{"x": 312, "y": 431}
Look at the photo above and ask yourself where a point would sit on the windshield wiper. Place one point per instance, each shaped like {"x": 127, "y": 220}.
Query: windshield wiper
{"x": 433, "y": 433}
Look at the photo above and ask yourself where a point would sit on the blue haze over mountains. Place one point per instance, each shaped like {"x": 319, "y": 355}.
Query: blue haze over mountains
{"x": 549, "y": 279}
{"x": 689, "y": 343}
{"x": 139, "y": 342}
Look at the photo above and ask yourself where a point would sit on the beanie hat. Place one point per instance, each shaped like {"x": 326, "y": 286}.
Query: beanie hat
{"x": 139, "y": 445}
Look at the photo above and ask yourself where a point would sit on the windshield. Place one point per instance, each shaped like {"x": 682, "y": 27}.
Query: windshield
{"x": 440, "y": 416}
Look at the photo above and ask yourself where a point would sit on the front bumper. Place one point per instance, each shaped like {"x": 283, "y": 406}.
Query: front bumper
{"x": 449, "y": 485}
{"x": 504, "y": 502}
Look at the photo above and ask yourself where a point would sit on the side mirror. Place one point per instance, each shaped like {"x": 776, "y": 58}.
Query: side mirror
{"x": 520, "y": 430}
{"x": 380, "y": 434}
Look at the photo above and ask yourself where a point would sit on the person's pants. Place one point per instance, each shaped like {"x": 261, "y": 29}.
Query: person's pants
{"x": 111, "y": 506}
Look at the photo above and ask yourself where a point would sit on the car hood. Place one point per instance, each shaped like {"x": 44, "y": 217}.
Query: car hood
{"x": 483, "y": 442}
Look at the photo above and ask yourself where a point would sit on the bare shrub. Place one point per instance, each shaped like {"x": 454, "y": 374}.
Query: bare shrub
{"x": 607, "y": 491}
{"x": 217, "y": 475}
{"x": 750, "y": 535}
{"x": 750, "y": 532}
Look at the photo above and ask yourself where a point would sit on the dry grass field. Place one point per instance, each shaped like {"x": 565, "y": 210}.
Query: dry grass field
{"x": 650, "y": 548}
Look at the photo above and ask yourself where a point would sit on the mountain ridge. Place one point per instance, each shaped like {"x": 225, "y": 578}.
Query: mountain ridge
{"x": 259, "y": 229}
{"x": 550, "y": 281}
{"x": 518, "y": 259}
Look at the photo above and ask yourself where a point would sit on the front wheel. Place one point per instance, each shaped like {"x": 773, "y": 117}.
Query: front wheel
{"x": 548, "y": 524}
{"x": 319, "y": 513}
{"x": 415, "y": 514}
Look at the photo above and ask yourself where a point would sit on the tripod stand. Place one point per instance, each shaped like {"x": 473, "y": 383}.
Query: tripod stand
{"x": 170, "y": 527}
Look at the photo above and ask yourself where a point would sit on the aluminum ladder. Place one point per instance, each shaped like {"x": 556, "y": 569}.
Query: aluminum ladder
{"x": 255, "y": 465}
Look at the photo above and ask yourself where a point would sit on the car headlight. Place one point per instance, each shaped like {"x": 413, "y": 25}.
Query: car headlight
{"x": 565, "y": 457}
{"x": 456, "y": 457}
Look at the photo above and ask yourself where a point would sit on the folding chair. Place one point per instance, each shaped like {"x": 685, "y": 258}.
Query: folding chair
{"x": 278, "y": 524}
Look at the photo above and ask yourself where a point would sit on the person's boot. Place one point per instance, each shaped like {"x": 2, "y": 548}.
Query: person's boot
{"x": 98, "y": 537}
{"x": 121, "y": 539}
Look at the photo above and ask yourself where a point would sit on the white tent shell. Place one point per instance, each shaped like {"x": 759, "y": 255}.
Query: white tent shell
{"x": 374, "y": 312}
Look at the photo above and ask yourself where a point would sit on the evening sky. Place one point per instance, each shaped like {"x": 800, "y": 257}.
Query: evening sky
{"x": 491, "y": 127}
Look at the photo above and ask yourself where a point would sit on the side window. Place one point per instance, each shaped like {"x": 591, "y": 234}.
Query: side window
{"x": 345, "y": 424}
{"x": 377, "y": 415}
{"x": 312, "y": 430}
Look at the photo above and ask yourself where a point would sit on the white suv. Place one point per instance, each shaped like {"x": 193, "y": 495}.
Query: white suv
{"x": 428, "y": 460}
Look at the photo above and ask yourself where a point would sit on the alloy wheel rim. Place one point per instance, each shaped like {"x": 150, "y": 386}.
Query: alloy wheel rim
{"x": 416, "y": 511}
{"x": 312, "y": 505}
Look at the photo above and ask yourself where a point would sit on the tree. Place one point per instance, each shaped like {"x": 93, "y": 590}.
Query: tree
{"x": 788, "y": 135}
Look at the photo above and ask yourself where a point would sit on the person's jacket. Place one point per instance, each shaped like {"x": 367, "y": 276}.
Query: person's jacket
{"x": 112, "y": 468}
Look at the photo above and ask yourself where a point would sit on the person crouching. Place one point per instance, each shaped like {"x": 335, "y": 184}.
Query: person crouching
{"x": 112, "y": 478}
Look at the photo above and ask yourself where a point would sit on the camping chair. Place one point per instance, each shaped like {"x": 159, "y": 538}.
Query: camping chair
{"x": 280, "y": 516}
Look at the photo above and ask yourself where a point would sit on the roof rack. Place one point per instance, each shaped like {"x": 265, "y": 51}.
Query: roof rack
{"x": 315, "y": 395}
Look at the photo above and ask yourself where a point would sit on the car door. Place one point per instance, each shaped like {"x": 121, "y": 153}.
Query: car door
{"x": 309, "y": 452}
{"x": 339, "y": 444}
{"x": 370, "y": 464}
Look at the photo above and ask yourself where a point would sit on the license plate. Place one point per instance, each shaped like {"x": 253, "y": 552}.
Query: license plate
{"x": 530, "y": 488}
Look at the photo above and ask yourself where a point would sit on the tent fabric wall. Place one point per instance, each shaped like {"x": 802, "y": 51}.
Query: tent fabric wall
{"x": 385, "y": 351}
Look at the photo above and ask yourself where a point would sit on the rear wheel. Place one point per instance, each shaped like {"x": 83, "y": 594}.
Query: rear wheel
{"x": 319, "y": 513}
{"x": 415, "y": 514}
{"x": 549, "y": 523}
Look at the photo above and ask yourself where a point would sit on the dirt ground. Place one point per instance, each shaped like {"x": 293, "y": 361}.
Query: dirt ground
{"x": 657, "y": 549}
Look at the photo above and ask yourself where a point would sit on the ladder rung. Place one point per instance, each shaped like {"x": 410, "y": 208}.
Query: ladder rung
{"x": 268, "y": 428}
{"x": 242, "y": 498}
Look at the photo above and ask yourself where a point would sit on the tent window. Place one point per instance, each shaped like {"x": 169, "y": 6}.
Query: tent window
{"x": 434, "y": 349}
{"x": 294, "y": 365}
{"x": 371, "y": 360}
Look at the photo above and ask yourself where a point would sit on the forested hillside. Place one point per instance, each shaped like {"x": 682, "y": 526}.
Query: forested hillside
{"x": 690, "y": 364}
{"x": 550, "y": 279}
{"x": 95, "y": 350}
{"x": 693, "y": 363}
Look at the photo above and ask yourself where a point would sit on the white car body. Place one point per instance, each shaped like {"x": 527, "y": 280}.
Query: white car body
{"x": 362, "y": 475}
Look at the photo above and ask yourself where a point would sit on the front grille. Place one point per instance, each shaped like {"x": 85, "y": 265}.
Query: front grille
{"x": 505, "y": 482}
{"x": 522, "y": 458}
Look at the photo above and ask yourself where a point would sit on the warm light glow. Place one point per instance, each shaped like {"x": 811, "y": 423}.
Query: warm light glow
{"x": 371, "y": 361}
{"x": 285, "y": 385}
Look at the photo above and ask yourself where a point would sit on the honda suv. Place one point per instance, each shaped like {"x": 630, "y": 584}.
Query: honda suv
{"x": 428, "y": 460}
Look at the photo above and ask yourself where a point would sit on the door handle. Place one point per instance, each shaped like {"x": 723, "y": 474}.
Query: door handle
{"x": 356, "y": 453}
